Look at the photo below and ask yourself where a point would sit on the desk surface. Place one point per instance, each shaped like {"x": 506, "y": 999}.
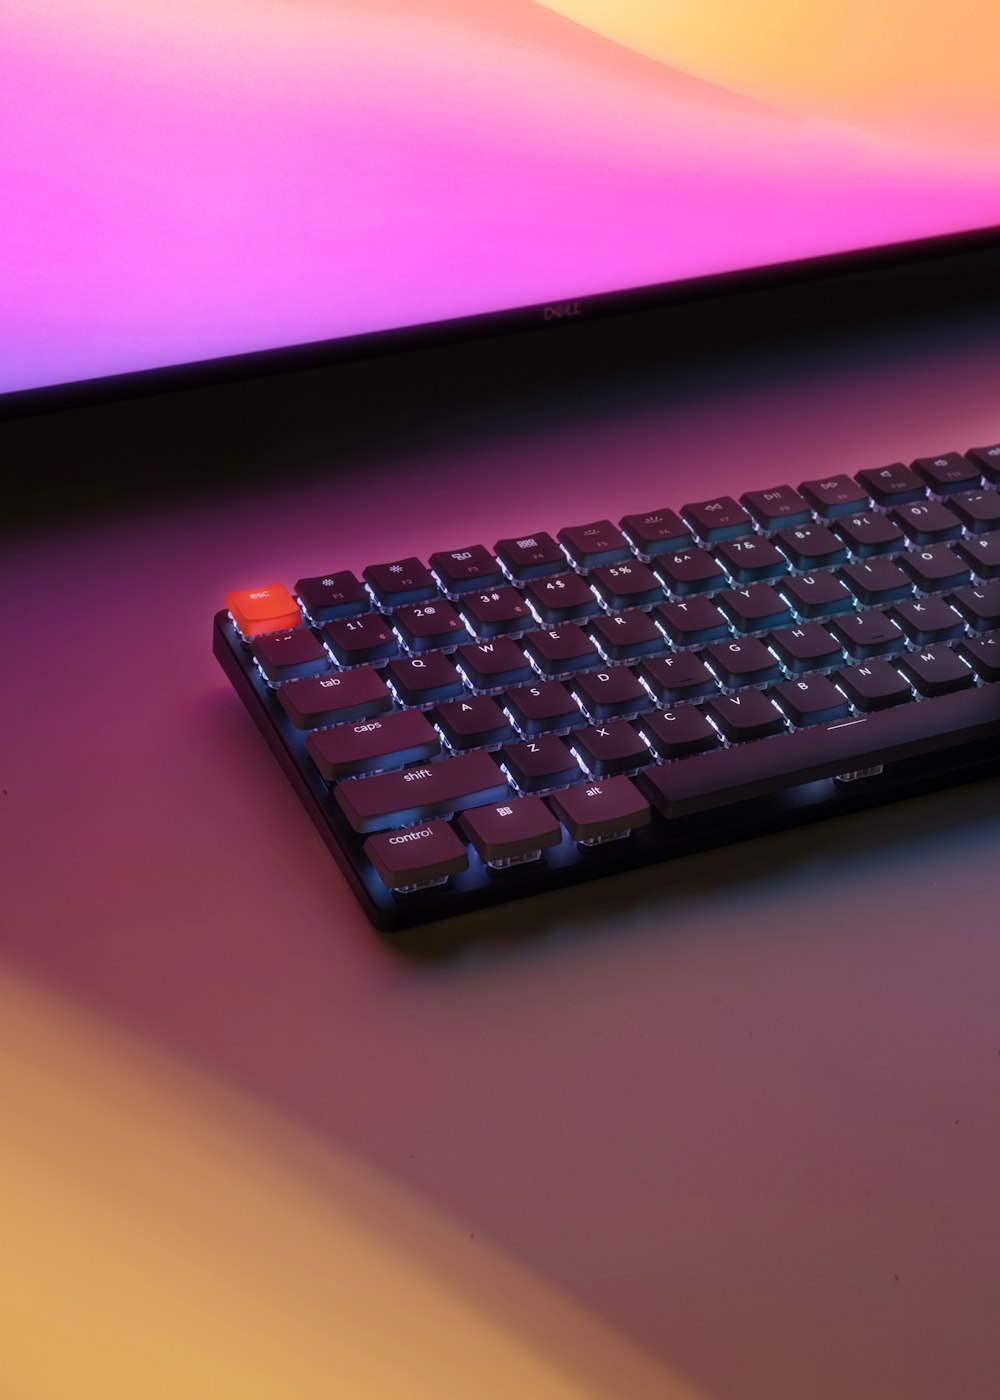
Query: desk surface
{"x": 727, "y": 1129}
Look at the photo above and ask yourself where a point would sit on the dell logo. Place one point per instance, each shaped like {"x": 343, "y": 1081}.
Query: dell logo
{"x": 559, "y": 309}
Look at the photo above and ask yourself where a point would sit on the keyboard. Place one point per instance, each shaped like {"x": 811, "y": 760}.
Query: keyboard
{"x": 482, "y": 724}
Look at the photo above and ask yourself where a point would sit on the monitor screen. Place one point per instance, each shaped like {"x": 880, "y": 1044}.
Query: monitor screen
{"x": 208, "y": 178}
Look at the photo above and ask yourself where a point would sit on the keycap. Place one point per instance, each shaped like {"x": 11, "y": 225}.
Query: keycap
{"x": 497, "y": 612}
{"x": 979, "y": 604}
{"x": 423, "y": 680}
{"x": 462, "y": 570}
{"x": 927, "y": 522}
{"x": 979, "y": 511}
{"x": 608, "y": 748}
{"x": 806, "y": 755}
{"x": 876, "y": 580}
{"x": 427, "y": 626}
{"x": 511, "y": 831}
{"x": 402, "y": 581}
{"x": 390, "y": 741}
{"x": 719, "y": 519}
{"x": 354, "y": 640}
{"x": 630, "y": 584}
{"x": 982, "y": 553}
{"x": 655, "y": 532}
{"x": 865, "y": 535}
{"x": 284, "y": 656}
{"x": 867, "y": 634}
{"x": 754, "y": 608}
{"x": 417, "y": 855}
{"x": 414, "y": 795}
{"x": 690, "y": 621}
{"x": 835, "y": 495}
{"x": 540, "y": 764}
{"x": 811, "y": 546}
{"x": 268, "y": 609}
{"x": 599, "y": 811}
{"x": 750, "y": 559}
{"x": 532, "y": 556}
{"x": 987, "y": 459}
{"x": 561, "y": 598}
{"x": 810, "y": 700}
{"x": 605, "y": 694}
{"x": 559, "y": 651}
{"x": 327, "y": 596}
{"x": 494, "y": 665}
{"x": 947, "y": 473}
{"x": 927, "y": 620}
{"x": 335, "y": 699}
{"x": 891, "y": 486}
{"x": 471, "y": 722}
{"x": 779, "y": 505}
{"x": 748, "y": 715}
{"x": 983, "y": 654}
{"x": 598, "y": 542}
{"x": 627, "y": 635}
{"x": 817, "y": 595}
{"x": 745, "y": 661}
{"x": 670, "y": 679}
{"x": 544, "y": 707}
{"x": 807, "y": 647}
{"x": 874, "y": 686}
{"x": 691, "y": 570}
{"x": 936, "y": 670}
{"x": 677, "y": 733}
{"x": 934, "y": 567}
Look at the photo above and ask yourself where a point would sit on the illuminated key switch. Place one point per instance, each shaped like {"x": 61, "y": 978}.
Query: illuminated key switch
{"x": 416, "y": 856}
{"x": 513, "y": 831}
{"x": 257, "y": 610}
{"x": 601, "y": 811}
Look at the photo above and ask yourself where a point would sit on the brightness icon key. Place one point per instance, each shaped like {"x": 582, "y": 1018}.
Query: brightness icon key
{"x": 268, "y": 609}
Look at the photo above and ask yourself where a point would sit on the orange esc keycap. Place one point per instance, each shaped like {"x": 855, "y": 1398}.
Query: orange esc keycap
{"x": 270, "y": 609}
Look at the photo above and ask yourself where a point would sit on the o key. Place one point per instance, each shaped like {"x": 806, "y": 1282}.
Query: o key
{"x": 270, "y": 609}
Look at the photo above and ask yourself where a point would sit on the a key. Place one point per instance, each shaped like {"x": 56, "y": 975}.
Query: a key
{"x": 810, "y": 700}
{"x": 605, "y": 694}
{"x": 494, "y": 665}
{"x": 531, "y": 556}
{"x": 751, "y": 559}
{"x": 655, "y": 532}
{"x": 593, "y": 812}
{"x": 979, "y": 511}
{"x": 356, "y": 640}
{"x": 947, "y": 473}
{"x": 817, "y": 595}
{"x": 423, "y": 680}
{"x": 748, "y": 715}
{"x": 987, "y": 459}
{"x": 982, "y": 554}
{"x": 836, "y": 495}
{"x": 472, "y": 722}
{"x": 600, "y": 542}
{"x": 670, "y": 679}
{"x": 691, "y": 621}
{"x": 414, "y": 795}
{"x": 545, "y": 707}
{"x": 936, "y": 670}
{"x": 691, "y": 570}
{"x": 559, "y": 651}
{"x": 629, "y": 584}
{"x": 935, "y": 567}
{"x": 866, "y": 535}
{"x": 780, "y": 505}
{"x": 327, "y": 596}
{"x": 627, "y": 635}
{"x": 403, "y": 581}
{"x": 892, "y": 486}
{"x": 285, "y": 656}
{"x": 561, "y": 598}
{"x": 268, "y": 609}
{"x": 516, "y": 830}
{"x": 807, "y": 647}
{"x": 464, "y": 570}
{"x": 417, "y": 856}
{"x": 927, "y": 522}
{"x": 428, "y": 626}
{"x": 983, "y": 654}
{"x": 811, "y": 546}
{"x": 754, "y": 608}
{"x": 610, "y": 747}
{"x": 875, "y": 685}
{"x": 719, "y": 519}
{"x": 389, "y": 741}
{"x": 927, "y": 620}
{"x": 746, "y": 661}
{"x": 877, "y": 581}
{"x": 341, "y": 698}
{"x": 677, "y": 733}
{"x": 867, "y": 634}
{"x": 540, "y": 764}
{"x": 979, "y": 604}
{"x": 497, "y": 612}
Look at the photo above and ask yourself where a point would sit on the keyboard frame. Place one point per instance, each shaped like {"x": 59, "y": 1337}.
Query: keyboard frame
{"x": 565, "y": 864}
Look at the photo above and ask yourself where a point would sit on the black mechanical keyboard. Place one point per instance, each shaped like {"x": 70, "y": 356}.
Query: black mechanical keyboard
{"x": 494, "y": 723}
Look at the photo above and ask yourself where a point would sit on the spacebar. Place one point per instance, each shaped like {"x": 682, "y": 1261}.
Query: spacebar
{"x": 715, "y": 779}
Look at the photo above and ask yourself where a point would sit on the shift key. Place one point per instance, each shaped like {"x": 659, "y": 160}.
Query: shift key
{"x": 415, "y": 794}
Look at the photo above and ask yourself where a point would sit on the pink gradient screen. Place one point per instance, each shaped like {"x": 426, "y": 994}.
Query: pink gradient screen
{"x": 189, "y": 181}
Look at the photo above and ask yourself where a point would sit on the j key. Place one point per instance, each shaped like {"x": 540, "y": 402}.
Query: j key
{"x": 691, "y": 621}
{"x": 868, "y": 634}
{"x": 600, "y": 542}
{"x": 811, "y": 700}
{"x": 676, "y": 733}
{"x": 928, "y": 620}
{"x": 832, "y": 496}
{"x": 947, "y": 473}
{"x": 510, "y": 831}
{"x": 934, "y": 568}
{"x": 336, "y": 699}
{"x": 817, "y": 595}
{"x": 403, "y": 581}
{"x": 781, "y": 505}
{"x": 754, "y": 608}
{"x": 983, "y": 654}
{"x": 627, "y": 635}
{"x": 594, "y": 812}
{"x": 611, "y": 747}
{"x": 690, "y": 570}
{"x": 268, "y": 609}
{"x": 672, "y": 678}
{"x": 877, "y": 581}
{"x": 419, "y": 855}
{"x": 333, "y": 595}
{"x": 285, "y": 656}
{"x": 388, "y": 742}
{"x": 808, "y": 647}
{"x": 805, "y": 755}
{"x": 892, "y": 486}
{"x": 979, "y": 511}
{"x": 936, "y": 670}
{"x": 751, "y": 559}
{"x": 544, "y": 707}
{"x": 561, "y": 598}
{"x": 472, "y": 722}
{"x": 811, "y": 546}
{"x": 982, "y": 552}
{"x": 354, "y": 640}
{"x": 416, "y": 794}
{"x": 630, "y": 584}
{"x": 874, "y": 686}
{"x": 540, "y": 764}
{"x": 464, "y": 569}
{"x": 656, "y": 532}
{"x": 718, "y": 519}
{"x": 749, "y": 715}
{"x": 423, "y": 680}
{"x": 927, "y": 522}
{"x": 426, "y": 626}
{"x": 987, "y": 459}
{"x": 605, "y": 694}
{"x": 494, "y": 613}
{"x": 743, "y": 662}
{"x": 559, "y": 651}
{"x": 979, "y": 605}
{"x": 532, "y": 556}
{"x": 494, "y": 665}
{"x": 865, "y": 535}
